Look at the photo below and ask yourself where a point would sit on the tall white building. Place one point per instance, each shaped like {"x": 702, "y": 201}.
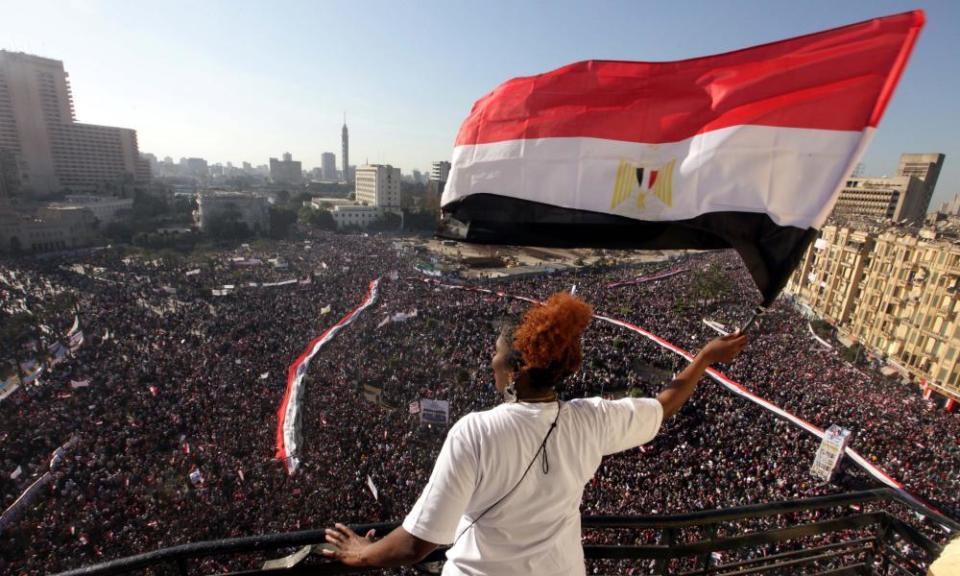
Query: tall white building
{"x": 378, "y": 185}
{"x": 53, "y": 151}
{"x": 440, "y": 171}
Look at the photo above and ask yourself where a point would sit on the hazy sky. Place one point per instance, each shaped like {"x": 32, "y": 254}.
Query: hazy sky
{"x": 236, "y": 80}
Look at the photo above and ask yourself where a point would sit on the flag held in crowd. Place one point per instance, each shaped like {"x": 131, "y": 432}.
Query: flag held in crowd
{"x": 75, "y": 327}
{"x": 373, "y": 488}
{"x": 76, "y": 340}
{"x": 743, "y": 150}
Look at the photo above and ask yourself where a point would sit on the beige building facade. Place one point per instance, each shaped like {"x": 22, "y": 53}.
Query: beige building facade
{"x": 378, "y": 185}
{"x": 898, "y": 198}
{"x": 53, "y": 151}
{"x": 46, "y": 230}
{"x": 831, "y": 270}
{"x": 893, "y": 290}
{"x": 904, "y": 197}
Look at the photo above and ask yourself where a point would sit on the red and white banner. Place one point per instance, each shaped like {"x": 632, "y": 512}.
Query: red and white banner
{"x": 288, "y": 414}
{"x": 950, "y": 405}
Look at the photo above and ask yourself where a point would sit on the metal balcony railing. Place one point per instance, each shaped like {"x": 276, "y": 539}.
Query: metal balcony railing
{"x": 853, "y": 533}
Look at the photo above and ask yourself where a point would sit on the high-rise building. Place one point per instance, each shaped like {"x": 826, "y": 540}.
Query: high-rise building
{"x": 328, "y": 165}
{"x": 439, "y": 171}
{"x": 926, "y": 167}
{"x": 53, "y": 151}
{"x": 378, "y": 185}
{"x": 286, "y": 171}
{"x": 904, "y": 197}
{"x": 345, "y": 150}
{"x": 195, "y": 167}
{"x": 897, "y": 198}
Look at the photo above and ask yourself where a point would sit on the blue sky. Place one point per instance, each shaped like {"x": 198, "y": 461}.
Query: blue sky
{"x": 237, "y": 80}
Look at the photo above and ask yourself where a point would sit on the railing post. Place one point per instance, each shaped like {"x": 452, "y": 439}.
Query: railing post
{"x": 669, "y": 538}
{"x": 883, "y": 535}
{"x": 707, "y": 558}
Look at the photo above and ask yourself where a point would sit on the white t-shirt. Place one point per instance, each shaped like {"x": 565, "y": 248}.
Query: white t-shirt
{"x": 536, "y": 530}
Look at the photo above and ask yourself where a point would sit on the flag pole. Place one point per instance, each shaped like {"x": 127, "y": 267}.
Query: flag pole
{"x": 757, "y": 313}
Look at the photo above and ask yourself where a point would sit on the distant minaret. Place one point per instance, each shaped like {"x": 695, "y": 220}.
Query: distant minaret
{"x": 346, "y": 149}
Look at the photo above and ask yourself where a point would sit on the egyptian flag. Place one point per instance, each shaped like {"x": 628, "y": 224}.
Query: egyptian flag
{"x": 746, "y": 149}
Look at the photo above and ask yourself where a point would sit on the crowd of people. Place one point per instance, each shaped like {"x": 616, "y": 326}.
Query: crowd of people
{"x": 175, "y": 433}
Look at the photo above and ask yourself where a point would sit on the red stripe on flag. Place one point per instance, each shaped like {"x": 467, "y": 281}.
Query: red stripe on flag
{"x": 840, "y": 79}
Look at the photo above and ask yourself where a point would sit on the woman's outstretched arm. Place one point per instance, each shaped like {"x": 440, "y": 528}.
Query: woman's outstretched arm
{"x": 722, "y": 349}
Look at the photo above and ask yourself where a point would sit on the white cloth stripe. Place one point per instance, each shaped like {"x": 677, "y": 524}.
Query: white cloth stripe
{"x": 792, "y": 174}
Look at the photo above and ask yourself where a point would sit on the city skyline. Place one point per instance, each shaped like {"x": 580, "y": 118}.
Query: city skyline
{"x": 192, "y": 86}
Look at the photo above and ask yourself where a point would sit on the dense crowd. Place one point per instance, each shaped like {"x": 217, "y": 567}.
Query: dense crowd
{"x": 175, "y": 433}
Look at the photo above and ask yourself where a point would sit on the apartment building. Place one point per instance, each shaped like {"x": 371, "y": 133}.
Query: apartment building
{"x": 892, "y": 289}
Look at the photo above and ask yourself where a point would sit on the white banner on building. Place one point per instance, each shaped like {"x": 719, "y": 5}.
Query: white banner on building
{"x": 434, "y": 411}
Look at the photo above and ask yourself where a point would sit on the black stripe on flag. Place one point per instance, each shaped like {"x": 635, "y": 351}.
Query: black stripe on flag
{"x": 770, "y": 251}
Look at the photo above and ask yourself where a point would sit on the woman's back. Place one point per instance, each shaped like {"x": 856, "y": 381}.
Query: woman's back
{"x": 536, "y": 529}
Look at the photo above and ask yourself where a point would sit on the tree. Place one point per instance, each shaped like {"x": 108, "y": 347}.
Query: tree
{"x": 302, "y": 198}
{"x": 227, "y": 226}
{"x": 15, "y": 330}
{"x": 119, "y": 232}
{"x": 322, "y": 219}
{"x": 281, "y": 221}
{"x": 388, "y": 221}
{"x": 421, "y": 220}
{"x": 183, "y": 208}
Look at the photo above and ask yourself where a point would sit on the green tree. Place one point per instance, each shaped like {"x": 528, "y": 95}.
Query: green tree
{"x": 282, "y": 221}
{"x": 227, "y": 226}
{"x": 321, "y": 219}
{"x": 387, "y": 222}
{"x": 302, "y": 198}
{"x": 15, "y": 330}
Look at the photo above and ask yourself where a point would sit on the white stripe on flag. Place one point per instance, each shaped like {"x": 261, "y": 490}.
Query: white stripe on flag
{"x": 792, "y": 174}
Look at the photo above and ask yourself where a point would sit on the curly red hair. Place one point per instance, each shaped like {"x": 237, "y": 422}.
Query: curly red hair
{"x": 548, "y": 339}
